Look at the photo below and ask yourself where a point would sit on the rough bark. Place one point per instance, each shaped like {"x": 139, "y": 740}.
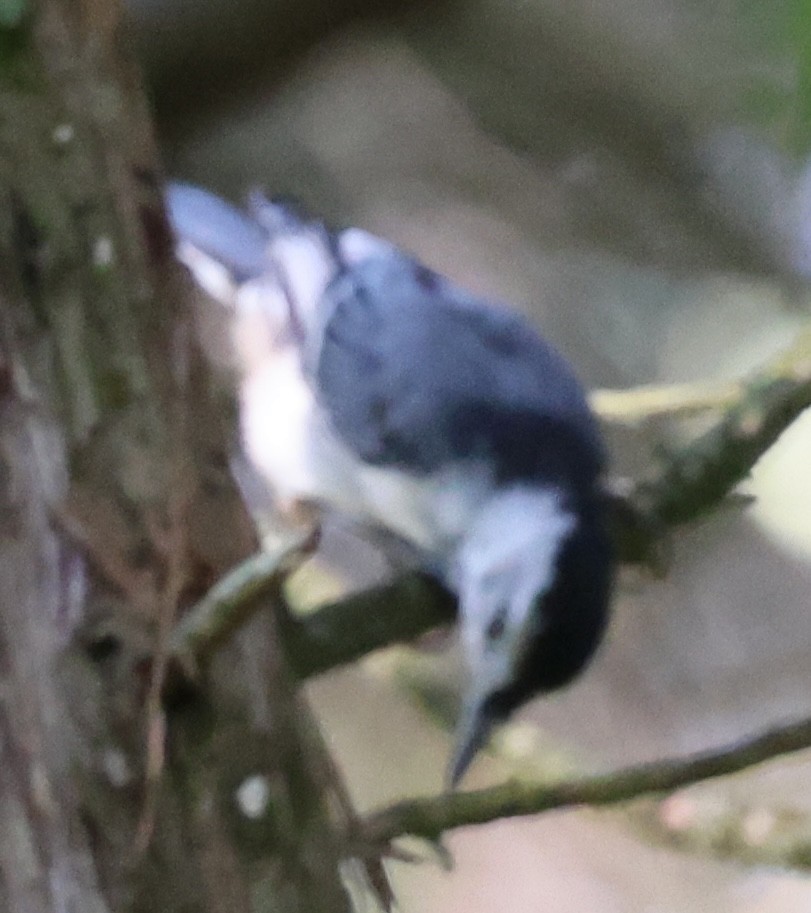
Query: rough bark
{"x": 115, "y": 513}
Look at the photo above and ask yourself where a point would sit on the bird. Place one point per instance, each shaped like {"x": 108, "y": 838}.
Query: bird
{"x": 373, "y": 386}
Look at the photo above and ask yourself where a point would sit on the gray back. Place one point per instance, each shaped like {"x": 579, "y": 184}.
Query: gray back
{"x": 416, "y": 373}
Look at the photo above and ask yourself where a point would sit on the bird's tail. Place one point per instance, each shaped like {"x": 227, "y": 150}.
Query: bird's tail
{"x": 221, "y": 246}
{"x": 265, "y": 256}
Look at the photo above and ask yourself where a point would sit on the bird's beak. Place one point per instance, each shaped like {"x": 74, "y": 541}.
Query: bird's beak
{"x": 474, "y": 727}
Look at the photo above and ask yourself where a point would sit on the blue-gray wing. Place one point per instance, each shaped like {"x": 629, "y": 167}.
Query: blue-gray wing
{"x": 218, "y": 229}
{"x": 416, "y": 374}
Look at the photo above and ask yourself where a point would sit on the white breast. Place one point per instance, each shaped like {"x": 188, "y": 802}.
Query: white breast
{"x": 290, "y": 441}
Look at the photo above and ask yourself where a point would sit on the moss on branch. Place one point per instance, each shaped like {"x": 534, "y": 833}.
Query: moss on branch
{"x": 698, "y": 476}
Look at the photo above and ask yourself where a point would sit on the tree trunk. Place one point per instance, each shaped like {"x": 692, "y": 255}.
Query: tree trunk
{"x": 118, "y": 792}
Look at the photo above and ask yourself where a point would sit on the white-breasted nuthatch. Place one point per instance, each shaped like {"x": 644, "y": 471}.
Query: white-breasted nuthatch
{"x": 375, "y": 386}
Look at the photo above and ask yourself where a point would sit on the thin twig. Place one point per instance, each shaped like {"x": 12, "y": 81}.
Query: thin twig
{"x": 429, "y": 818}
{"x": 650, "y": 402}
{"x": 696, "y": 819}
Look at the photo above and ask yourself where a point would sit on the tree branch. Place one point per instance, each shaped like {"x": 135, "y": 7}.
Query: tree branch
{"x": 345, "y": 631}
{"x": 430, "y": 818}
{"x": 696, "y": 818}
{"x": 229, "y": 603}
{"x": 694, "y": 479}
{"x": 649, "y": 402}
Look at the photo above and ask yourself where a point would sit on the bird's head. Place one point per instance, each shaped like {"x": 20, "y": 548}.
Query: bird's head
{"x": 533, "y": 579}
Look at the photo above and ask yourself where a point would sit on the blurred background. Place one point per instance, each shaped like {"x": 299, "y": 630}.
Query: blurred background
{"x": 632, "y": 175}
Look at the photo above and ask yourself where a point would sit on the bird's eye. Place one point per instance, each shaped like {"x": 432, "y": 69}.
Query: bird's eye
{"x": 498, "y": 623}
